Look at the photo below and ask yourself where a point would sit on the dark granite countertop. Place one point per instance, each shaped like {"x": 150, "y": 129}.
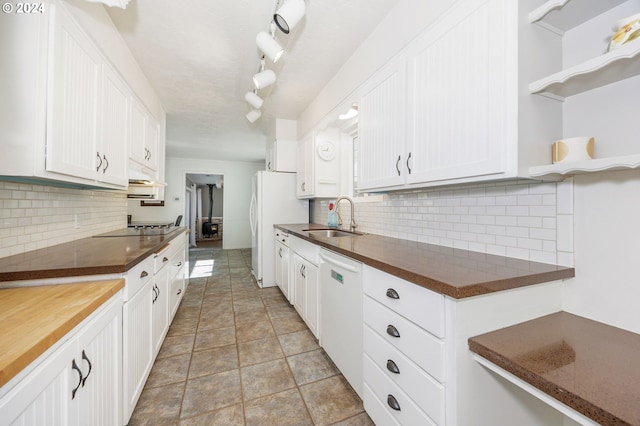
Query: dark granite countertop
{"x": 452, "y": 272}
{"x": 587, "y": 365}
{"x": 87, "y": 256}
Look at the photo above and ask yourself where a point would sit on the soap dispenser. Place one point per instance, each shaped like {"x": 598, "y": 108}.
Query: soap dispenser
{"x": 333, "y": 216}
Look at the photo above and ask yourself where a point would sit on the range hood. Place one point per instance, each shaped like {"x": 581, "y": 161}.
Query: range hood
{"x": 142, "y": 187}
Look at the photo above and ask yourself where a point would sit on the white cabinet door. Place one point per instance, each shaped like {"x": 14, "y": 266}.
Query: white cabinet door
{"x": 138, "y": 135}
{"x": 137, "y": 346}
{"x": 73, "y": 99}
{"x": 304, "y": 174}
{"x": 160, "y": 314}
{"x": 282, "y": 268}
{"x": 457, "y": 107}
{"x": 306, "y": 300}
{"x": 114, "y": 138}
{"x": 299, "y": 285}
{"x": 44, "y": 396}
{"x": 145, "y": 138}
{"x": 382, "y": 128}
{"x": 153, "y": 143}
{"x": 99, "y": 356}
{"x": 312, "y": 300}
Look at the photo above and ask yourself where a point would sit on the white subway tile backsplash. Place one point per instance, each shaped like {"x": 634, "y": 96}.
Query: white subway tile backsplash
{"x": 518, "y": 219}
{"x": 37, "y": 216}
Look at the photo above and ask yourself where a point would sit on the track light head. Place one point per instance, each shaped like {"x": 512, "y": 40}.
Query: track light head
{"x": 264, "y": 79}
{"x": 269, "y": 46}
{"x": 253, "y": 115}
{"x": 289, "y": 14}
{"x": 254, "y": 100}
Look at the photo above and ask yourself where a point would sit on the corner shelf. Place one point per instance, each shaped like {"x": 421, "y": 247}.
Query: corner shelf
{"x": 559, "y": 171}
{"x": 611, "y": 67}
{"x": 559, "y": 16}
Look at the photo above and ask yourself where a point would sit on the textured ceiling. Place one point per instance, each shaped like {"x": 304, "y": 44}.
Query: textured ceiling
{"x": 199, "y": 56}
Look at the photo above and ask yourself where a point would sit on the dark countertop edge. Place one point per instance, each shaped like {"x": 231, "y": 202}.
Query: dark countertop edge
{"x": 432, "y": 284}
{"x": 87, "y": 270}
{"x": 567, "y": 397}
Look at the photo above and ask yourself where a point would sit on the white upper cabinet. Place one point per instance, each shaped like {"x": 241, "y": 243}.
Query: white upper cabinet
{"x": 457, "y": 99}
{"x": 74, "y": 107}
{"x": 114, "y": 136}
{"x": 145, "y": 131}
{"x": 68, "y": 110}
{"x": 381, "y": 127}
{"x": 447, "y": 108}
{"x": 318, "y": 168}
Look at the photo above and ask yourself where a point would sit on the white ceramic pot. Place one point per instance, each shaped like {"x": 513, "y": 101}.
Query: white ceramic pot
{"x": 573, "y": 149}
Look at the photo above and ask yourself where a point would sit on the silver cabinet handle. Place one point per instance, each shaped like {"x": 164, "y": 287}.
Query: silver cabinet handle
{"x": 107, "y": 165}
{"x": 408, "y": 167}
{"x": 393, "y": 402}
{"x": 397, "y": 165}
{"x": 392, "y": 294}
{"x": 392, "y": 331}
{"x": 392, "y": 366}
{"x": 100, "y": 164}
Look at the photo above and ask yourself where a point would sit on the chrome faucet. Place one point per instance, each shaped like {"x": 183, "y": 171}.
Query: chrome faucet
{"x": 353, "y": 225}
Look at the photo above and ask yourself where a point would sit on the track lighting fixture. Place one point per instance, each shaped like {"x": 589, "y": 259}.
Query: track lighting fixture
{"x": 289, "y": 14}
{"x": 263, "y": 79}
{"x": 253, "y": 115}
{"x": 254, "y": 100}
{"x": 269, "y": 46}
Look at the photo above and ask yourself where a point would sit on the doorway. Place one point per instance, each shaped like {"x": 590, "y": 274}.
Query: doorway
{"x": 208, "y": 209}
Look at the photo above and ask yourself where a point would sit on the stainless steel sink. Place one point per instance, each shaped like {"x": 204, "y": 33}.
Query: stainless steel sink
{"x": 330, "y": 233}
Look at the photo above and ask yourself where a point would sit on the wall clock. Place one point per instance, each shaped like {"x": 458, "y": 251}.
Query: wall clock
{"x": 326, "y": 150}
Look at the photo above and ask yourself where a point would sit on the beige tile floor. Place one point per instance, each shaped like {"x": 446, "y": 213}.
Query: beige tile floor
{"x": 239, "y": 355}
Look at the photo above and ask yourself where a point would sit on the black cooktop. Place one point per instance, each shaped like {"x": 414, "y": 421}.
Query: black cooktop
{"x": 138, "y": 232}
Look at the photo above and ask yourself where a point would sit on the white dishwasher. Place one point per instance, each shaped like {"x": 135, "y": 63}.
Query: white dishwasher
{"x": 341, "y": 314}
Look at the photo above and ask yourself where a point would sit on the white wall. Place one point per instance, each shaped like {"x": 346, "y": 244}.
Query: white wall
{"x": 606, "y": 287}
{"x": 237, "y": 193}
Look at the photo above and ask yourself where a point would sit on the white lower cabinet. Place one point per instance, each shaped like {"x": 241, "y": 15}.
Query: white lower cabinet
{"x": 138, "y": 354}
{"x": 305, "y": 284}
{"x": 79, "y": 383}
{"x": 282, "y": 276}
{"x": 153, "y": 299}
{"x": 404, "y": 364}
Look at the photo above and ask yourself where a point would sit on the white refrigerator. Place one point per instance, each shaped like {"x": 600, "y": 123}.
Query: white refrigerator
{"x": 273, "y": 201}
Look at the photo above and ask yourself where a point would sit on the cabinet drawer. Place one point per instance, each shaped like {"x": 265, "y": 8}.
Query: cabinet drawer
{"x": 384, "y": 390}
{"x": 422, "y": 348}
{"x": 423, "y": 307}
{"x": 374, "y": 408}
{"x": 425, "y": 391}
{"x": 161, "y": 257}
{"x": 305, "y": 249}
{"x": 138, "y": 276}
{"x": 281, "y": 236}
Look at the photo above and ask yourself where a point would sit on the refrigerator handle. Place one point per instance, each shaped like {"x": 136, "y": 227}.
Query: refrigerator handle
{"x": 252, "y": 214}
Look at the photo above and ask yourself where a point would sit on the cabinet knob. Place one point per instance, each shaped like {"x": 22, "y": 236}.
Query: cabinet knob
{"x": 164, "y": 259}
{"x": 179, "y": 291}
{"x": 392, "y": 294}
{"x": 393, "y": 402}
{"x": 392, "y": 331}
{"x": 392, "y": 366}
